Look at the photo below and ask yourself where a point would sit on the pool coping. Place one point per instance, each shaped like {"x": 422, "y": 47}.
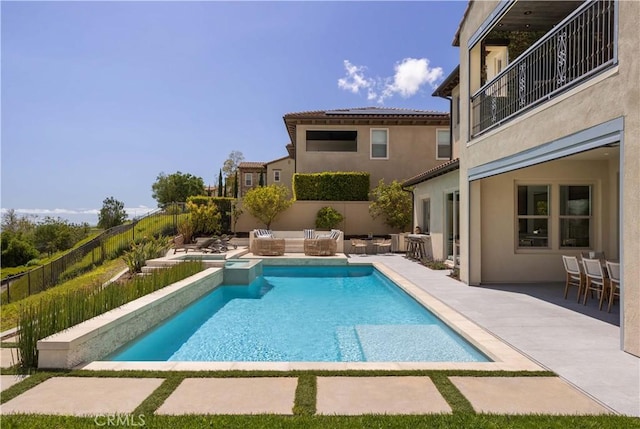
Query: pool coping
{"x": 505, "y": 357}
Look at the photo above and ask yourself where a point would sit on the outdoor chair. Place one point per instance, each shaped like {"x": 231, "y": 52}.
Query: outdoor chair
{"x": 358, "y": 244}
{"x": 179, "y": 245}
{"x": 596, "y": 280}
{"x": 382, "y": 245}
{"x": 613, "y": 269}
{"x": 575, "y": 276}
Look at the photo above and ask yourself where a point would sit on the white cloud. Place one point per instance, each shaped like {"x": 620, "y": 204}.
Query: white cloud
{"x": 354, "y": 81}
{"x": 411, "y": 75}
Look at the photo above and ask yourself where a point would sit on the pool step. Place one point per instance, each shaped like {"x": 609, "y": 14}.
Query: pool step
{"x": 348, "y": 344}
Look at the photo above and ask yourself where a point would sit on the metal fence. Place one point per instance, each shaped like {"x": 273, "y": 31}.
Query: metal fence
{"x": 576, "y": 49}
{"x": 107, "y": 245}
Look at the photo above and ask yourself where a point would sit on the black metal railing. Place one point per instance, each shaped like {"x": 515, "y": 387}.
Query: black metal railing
{"x": 107, "y": 245}
{"x": 576, "y": 49}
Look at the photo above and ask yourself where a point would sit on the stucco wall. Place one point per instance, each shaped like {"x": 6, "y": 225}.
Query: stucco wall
{"x": 286, "y": 167}
{"x": 502, "y": 261}
{"x": 436, "y": 191}
{"x": 411, "y": 150}
{"x": 302, "y": 215}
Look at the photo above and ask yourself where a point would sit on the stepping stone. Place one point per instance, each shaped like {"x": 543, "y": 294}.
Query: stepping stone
{"x": 260, "y": 395}
{"x": 83, "y": 396}
{"x": 8, "y": 357}
{"x": 6, "y": 381}
{"x": 525, "y": 395}
{"x": 348, "y": 396}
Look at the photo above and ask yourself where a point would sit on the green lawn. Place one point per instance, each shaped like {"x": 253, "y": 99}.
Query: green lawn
{"x": 463, "y": 415}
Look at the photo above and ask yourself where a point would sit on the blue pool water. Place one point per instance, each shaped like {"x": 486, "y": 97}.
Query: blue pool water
{"x": 314, "y": 314}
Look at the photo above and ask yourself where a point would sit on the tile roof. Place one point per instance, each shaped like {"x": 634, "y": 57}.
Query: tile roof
{"x": 447, "y": 85}
{"x": 251, "y": 165}
{"x": 365, "y": 112}
{"x": 441, "y": 169}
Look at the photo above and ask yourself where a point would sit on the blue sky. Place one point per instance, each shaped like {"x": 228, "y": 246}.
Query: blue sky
{"x": 98, "y": 98}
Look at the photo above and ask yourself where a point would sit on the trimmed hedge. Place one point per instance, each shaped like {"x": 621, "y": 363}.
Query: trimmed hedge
{"x": 331, "y": 186}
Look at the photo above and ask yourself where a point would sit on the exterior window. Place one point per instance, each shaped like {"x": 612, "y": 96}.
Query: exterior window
{"x": 533, "y": 216}
{"x": 380, "y": 143}
{"x": 332, "y": 141}
{"x": 456, "y": 105}
{"x": 575, "y": 216}
{"x": 248, "y": 179}
{"x": 276, "y": 176}
{"x": 443, "y": 150}
{"x": 426, "y": 216}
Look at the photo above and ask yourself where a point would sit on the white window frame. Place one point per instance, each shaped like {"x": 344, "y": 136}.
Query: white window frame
{"x": 248, "y": 179}
{"x": 276, "y": 176}
{"x": 438, "y": 130}
{"x": 386, "y": 130}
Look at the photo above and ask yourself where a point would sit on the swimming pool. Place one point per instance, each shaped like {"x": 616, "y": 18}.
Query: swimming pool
{"x": 304, "y": 314}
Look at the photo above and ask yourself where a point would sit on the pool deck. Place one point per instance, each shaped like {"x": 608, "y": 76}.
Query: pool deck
{"x": 580, "y": 344}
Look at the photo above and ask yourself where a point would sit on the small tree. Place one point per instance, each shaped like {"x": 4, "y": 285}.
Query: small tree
{"x": 392, "y": 202}
{"x": 328, "y": 218}
{"x": 111, "y": 214}
{"x": 267, "y": 202}
{"x": 220, "y": 183}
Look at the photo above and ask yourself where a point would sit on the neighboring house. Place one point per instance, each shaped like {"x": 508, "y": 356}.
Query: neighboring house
{"x": 280, "y": 171}
{"x": 387, "y": 143}
{"x": 276, "y": 172}
{"x": 550, "y": 142}
{"x": 436, "y": 192}
{"x": 249, "y": 176}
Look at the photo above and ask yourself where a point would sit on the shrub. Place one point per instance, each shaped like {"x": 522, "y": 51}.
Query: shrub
{"x": 147, "y": 248}
{"x": 185, "y": 227}
{"x": 205, "y": 219}
{"x": 328, "y": 218}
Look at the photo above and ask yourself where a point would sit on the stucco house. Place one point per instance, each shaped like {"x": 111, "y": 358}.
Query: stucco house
{"x": 549, "y": 142}
{"x": 249, "y": 173}
{"x": 390, "y": 144}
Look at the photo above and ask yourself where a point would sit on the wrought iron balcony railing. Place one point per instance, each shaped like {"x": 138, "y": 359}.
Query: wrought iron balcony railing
{"x": 582, "y": 45}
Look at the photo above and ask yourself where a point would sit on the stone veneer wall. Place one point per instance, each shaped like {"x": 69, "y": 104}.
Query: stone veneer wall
{"x": 98, "y": 337}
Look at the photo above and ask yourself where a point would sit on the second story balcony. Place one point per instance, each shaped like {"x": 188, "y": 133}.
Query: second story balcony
{"x": 554, "y": 45}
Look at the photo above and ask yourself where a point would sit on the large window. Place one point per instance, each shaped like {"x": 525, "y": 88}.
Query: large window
{"x": 380, "y": 143}
{"x": 443, "y": 149}
{"x": 575, "y": 216}
{"x": 248, "y": 179}
{"x": 533, "y": 215}
{"x": 332, "y": 141}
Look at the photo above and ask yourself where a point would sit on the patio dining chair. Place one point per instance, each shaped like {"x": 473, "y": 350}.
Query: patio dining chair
{"x": 596, "y": 280}
{"x": 575, "y": 276}
{"x": 613, "y": 269}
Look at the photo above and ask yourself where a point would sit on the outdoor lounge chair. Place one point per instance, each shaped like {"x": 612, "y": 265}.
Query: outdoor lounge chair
{"x": 200, "y": 245}
{"x": 575, "y": 276}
